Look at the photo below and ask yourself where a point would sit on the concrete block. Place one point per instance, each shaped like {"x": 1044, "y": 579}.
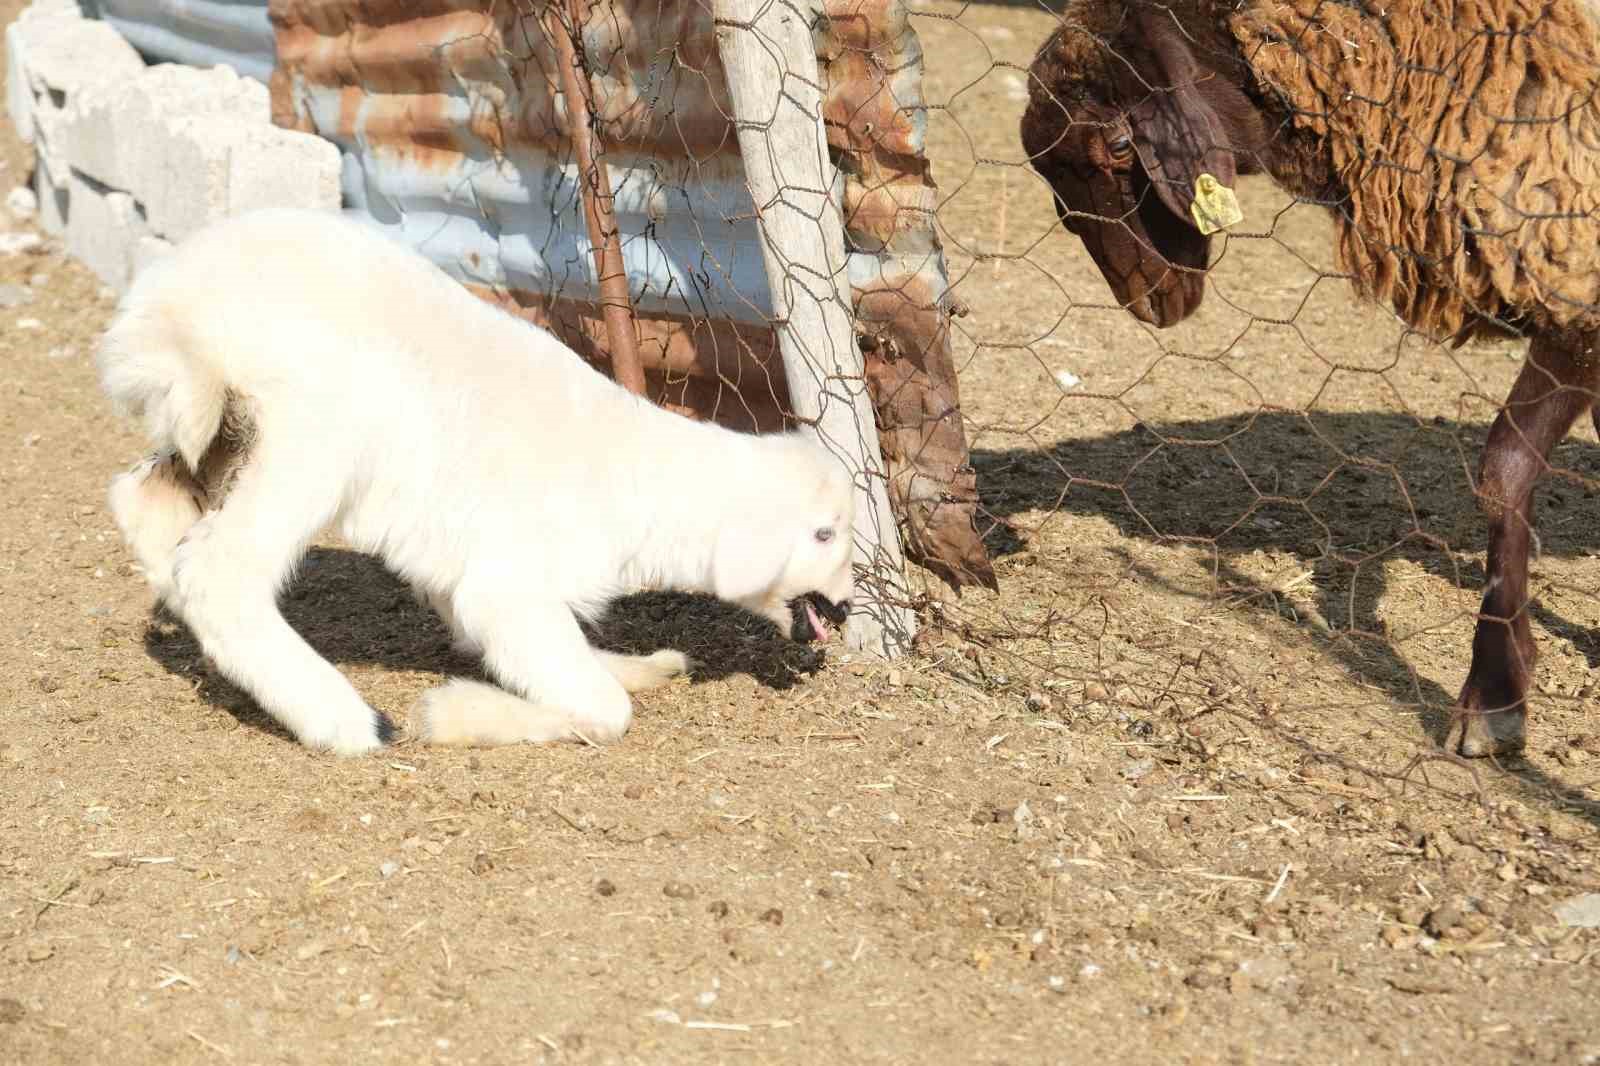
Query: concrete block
{"x": 103, "y": 228}
{"x": 19, "y": 94}
{"x": 146, "y": 250}
{"x": 54, "y": 193}
{"x": 211, "y": 167}
{"x": 52, "y": 58}
{"x": 272, "y": 167}
{"x": 183, "y": 181}
{"x": 115, "y": 133}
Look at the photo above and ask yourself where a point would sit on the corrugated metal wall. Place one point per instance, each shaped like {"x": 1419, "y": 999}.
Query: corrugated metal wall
{"x": 201, "y": 33}
{"x": 452, "y": 124}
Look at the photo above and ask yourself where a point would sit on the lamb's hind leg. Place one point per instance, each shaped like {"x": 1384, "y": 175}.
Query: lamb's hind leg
{"x": 1555, "y": 389}
{"x": 225, "y": 577}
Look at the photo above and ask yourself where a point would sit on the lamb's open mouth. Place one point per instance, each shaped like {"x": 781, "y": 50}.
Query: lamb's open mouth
{"x": 814, "y": 617}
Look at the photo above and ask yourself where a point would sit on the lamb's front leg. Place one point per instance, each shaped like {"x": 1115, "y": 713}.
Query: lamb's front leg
{"x": 557, "y": 688}
{"x": 1555, "y": 389}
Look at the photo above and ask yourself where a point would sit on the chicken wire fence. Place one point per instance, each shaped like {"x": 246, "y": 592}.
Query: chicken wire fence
{"x": 1267, "y": 510}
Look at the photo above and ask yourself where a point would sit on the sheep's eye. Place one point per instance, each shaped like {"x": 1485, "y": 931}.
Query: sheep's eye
{"x": 824, "y": 535}
{"x": 1120, "y": 148}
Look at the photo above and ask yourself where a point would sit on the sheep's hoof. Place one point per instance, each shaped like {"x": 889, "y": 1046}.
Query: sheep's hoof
{"x": 1476, "y": 734}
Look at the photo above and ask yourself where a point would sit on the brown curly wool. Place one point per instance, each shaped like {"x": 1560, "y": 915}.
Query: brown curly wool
{"x": 1466, "y": 134}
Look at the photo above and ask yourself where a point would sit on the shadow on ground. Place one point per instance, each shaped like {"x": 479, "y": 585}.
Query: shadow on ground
{"x": 1341, "y": 493}
{"x": 352, "y": 610}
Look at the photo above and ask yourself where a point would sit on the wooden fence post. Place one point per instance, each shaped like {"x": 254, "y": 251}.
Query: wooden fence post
{"x": 771, "y": 65}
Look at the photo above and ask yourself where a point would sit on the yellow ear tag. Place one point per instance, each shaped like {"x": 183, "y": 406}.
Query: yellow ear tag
{"x": 1214, "y": 206}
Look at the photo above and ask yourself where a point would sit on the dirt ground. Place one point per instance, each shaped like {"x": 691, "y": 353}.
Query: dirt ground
{"x": 1156, "y": 800}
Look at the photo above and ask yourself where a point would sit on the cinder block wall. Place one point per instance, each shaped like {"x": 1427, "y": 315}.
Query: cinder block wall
{"x": 130, "y": 158}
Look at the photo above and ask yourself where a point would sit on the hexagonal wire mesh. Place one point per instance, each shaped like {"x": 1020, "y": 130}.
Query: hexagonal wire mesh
{"x": 1269, "y": 508}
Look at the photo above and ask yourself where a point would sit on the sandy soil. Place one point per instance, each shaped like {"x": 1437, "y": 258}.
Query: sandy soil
{"x": 1159, "y": 799}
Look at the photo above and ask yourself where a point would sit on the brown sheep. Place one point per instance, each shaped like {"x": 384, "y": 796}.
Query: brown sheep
{"x": 1456, "y": 144}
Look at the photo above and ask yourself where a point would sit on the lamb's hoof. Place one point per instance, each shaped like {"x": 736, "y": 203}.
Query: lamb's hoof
{"x": 1478, "y": 734}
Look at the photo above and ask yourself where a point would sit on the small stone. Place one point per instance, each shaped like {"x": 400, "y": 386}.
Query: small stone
{"x": 32, "y": 325}
{"x": 38, "y": 280}
{"x": 718, "y": 908}
{"x": 1095, "y": 691}
{"x": 1395, "y": 936}
{"x": 14, "y": 296}
{"x": 310, "y": 950}
{"x": 48, "y": 684}
{"x": 896, "y": 679}
{"x": 677, "y": 890}
{"x": 1442, "y": 919}
{"x": 22, "y": 202}
{"x": 432, "y": 847}
{"x": 1507, "y": 871}
{"x": 11, "y": 1011}
{"x": 18, "y": 243}
{"x": 482, "y": 863}
{"x": 1138, "y": 768}
{"x": 1038, "y": 702}
{"x": 1582, "y": 912}
{"x": 604, "y": 887}
{"x": 388, "y": 869}
{"x": 232, "y": 956}
{"x": 40, "y": 952}
{"x": 633, "y": 791}
{"x": 772, "y": 916}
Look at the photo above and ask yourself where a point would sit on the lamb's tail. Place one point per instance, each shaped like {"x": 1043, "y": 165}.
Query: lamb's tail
{"x": 148, "y": 371}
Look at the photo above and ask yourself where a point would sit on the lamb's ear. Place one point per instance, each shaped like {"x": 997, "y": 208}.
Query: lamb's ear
{"x": 1177, "y": 131}
{"x": 751, "y": 554}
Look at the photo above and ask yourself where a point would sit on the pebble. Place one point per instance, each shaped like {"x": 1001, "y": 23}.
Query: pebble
{"x": 1442, "y": 919}
{"x": 718, "y": 908}
{"x": 40, "y": 952}
{"x": 1582, "y": 912}
{"x": 1094, "y": 690}
{"x": 11, "y": 1011}
{"x": 604, "y": 887}
{"x": 22, "y": 202}
{"x": 772, "y": 916}
{"x": 29, "y": 324}
{"x": 14, "y": 296}
{"x": 633, "y": 791}
{"x": 677, "y": 890}
{"x": 17, "y": 243}
{"x": 1138, "y": 769}
{"x": 388, "y": 869}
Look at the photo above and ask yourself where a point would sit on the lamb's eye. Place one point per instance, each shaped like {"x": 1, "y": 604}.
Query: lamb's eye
{"x": 824, "y": 535}
{"x": 1120, "y": 148}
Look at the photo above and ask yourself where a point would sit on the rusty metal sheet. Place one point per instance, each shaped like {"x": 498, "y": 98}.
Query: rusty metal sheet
{"x": 452, "y": 123}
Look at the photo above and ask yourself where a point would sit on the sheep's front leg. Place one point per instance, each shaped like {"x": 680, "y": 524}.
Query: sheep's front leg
{"x": 1555, "y": 389}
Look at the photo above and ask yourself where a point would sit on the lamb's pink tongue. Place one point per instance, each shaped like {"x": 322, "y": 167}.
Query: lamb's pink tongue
{"x": 822, "y": 629}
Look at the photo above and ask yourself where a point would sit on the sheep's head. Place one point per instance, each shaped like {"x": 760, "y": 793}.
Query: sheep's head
{"x": 1126, "y": 124}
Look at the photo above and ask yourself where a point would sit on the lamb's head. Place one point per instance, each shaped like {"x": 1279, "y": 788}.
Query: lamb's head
{"x": 788, "y": 558}
{"x": 1141, "y": 137}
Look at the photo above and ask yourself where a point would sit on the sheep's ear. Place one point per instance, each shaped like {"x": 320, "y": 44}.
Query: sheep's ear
{"x": 1177, "y": 131}
{"x": 751, "y": 554}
